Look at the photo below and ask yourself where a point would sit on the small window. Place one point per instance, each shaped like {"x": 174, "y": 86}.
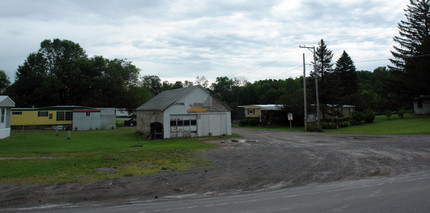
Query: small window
{"x": 2, "y": 115}
{"x": 420, "y": 104}
{"x": 16, "y": 113}
{"x": 50, "y": 116}
{"x": 180, "y": 123}
{"x": 69, "y": 116}
{"x": 251, "y": 111}
{"x": 42, "y": 114}
{"x": 60, "y": 116}
{"x": 186, "y": 122}
{"x": 64, "y": 116}
{"x": 193, "y": 122}
{"x": 172, "y": 123}
{"x": 88, "y": 113}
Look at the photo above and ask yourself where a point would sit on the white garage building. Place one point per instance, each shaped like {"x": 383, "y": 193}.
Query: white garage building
{"x": 184, "y": 112}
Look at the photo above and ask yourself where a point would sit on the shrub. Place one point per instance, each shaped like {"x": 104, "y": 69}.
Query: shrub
{"x": 249, "y": 122}
{"x": 313, "y": 127}
{"x": 243, "y": 122}
{"x": 358, "y": 116}
{"x": 253, "y": 122}
{"x": 388, "y": 113}
{"x": 369, "y": 116}
{"x": 401, "y": 114}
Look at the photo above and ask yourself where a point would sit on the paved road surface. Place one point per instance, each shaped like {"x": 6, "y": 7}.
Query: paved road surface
{"x": 405, "y": 193}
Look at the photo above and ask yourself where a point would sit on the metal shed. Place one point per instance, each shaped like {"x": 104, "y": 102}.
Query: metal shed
{"x": 184, "y": 112}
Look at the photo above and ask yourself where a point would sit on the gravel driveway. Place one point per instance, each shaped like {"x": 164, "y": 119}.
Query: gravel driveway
{"x": 260, "y": 160}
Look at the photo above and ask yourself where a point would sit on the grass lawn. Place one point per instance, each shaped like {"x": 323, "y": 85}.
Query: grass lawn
{"x": 411, "y": 124}
{"x": 41, "y": 156}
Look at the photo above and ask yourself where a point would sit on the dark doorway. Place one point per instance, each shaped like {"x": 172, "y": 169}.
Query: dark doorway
{"x": 156, "y": 130}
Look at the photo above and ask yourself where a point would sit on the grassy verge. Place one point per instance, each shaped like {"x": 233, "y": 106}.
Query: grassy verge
{"x": 41, "y": 156}
{"x": 411, "y": 124}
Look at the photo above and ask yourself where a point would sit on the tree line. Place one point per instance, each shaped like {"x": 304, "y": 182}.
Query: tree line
{"x": 61, "y": 73}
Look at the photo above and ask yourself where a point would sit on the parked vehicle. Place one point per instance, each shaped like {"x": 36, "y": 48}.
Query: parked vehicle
{"x": 130, "y": 122}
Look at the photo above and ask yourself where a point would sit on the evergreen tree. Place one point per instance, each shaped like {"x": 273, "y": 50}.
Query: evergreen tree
{"x": 323, "y": 60}
{"x": 346, "y": 79}
{"x": 324, "y": 70}
{"x": 412, "y": 55}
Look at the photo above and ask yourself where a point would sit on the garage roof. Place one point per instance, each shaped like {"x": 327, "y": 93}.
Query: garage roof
{"x": 163, "y": 100}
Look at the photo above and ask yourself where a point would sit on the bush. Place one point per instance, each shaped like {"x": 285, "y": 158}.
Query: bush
{"x": 243, "y": 122}
{"x": 249, "y": 122}
{"x": 369, "y": 116}
{"x": 401, "y": 114}
{"x": 358, "y": 116}
{"x": 313, "y": 127}
{"x": 388, "y": 113}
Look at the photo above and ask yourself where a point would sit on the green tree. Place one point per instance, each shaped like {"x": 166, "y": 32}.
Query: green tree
{"x": 412, "y": 55}
{"x": 152, "y": 83}
{"x": 222, "y": 88}
{"x": 325, "y": 71}
{"x": 323, "y": 60}
{"x": 4, "y": 82}
{"x": 60, "y": 73}
{"x": 345, "y": 77}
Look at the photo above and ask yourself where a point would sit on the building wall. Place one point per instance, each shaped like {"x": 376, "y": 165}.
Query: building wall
{"x": 31, "y": 117}
{"x": 107, "y": 118}
{"x": 256, "y": 111}
{"x": 145, "y": 118}
{"x": 86, "y": 120}
{"x": 422, "y": 107}
{"x": 5, "y": 122}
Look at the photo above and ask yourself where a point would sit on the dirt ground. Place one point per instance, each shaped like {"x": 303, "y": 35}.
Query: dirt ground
{"x": 260, "y": 160}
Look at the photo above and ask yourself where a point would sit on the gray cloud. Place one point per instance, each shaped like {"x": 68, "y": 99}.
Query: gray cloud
{"x": 183, "y": 39}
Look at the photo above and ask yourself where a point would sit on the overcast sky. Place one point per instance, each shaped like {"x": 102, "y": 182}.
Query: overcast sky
{"x": 182, "y": 39}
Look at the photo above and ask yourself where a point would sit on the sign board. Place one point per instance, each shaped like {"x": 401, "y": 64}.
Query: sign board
{"x": 290, "y": 116}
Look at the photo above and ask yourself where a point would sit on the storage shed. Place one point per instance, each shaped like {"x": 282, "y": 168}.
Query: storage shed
{"x": 184, "y": 112}
{"x": 5, "y": 109}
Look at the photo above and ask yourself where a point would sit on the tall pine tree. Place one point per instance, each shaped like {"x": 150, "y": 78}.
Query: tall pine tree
{"x": 324, "y": 69}
{"x": 412, "y": 55}
{"x": 346, "y": 79}
{"x": 323, "y": 60}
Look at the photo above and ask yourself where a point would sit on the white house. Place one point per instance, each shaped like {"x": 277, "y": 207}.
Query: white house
{"x": 422, "y": 105}
{"x": 6, "y": 105}
{"x": 184, "y": 112}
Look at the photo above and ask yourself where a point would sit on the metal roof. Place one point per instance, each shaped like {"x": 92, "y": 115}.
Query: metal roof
{"x": 5, "y": 101}
{"x": 163, "y": 100}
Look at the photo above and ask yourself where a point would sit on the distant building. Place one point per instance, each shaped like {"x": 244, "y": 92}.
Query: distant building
{"x": 5, "y": 109}
{"x": 64, "y": 117}
{"x": 184, "y": 112}
{"x": 422, "y": 105}
{"x": 267, "y": 114}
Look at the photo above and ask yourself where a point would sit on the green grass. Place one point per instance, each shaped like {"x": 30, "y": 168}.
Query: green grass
{"x": 45, "y": 157}
{"x": 411, "y": 124}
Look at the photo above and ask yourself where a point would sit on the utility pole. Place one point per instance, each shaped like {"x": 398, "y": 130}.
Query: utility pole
{"x": 312, "y": 49}
{"x": 304, "y": 93}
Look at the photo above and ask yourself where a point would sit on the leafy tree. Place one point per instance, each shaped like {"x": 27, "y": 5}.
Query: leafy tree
{"x": 152, "y": 83}
{"x": 202, "y": 81}
{"x": 4, "y": 82}
{"x": 412, "y": 55}
{"x": 60, "y": 73}
{"x": 222, "y": 88}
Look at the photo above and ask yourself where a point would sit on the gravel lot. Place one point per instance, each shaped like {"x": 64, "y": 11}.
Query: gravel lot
{"x": 260, "y": 160}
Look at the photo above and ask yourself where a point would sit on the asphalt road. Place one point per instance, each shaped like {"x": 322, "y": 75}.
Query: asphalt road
{"x": 404, "y": 193}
